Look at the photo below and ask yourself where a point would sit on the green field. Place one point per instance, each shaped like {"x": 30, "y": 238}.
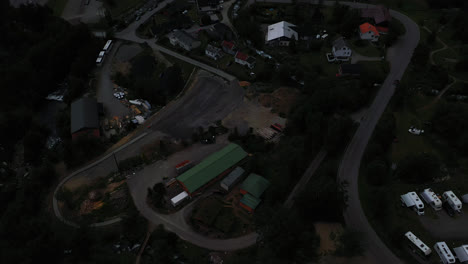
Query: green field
{"x": 57, "y": 6}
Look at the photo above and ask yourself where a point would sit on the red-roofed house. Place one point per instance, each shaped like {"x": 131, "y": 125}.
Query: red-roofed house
{"x": 368, "y": 32}
{"x": 244, "y": 59}
{"x": 228, "y": 47}
{"x": 378, "y": 16}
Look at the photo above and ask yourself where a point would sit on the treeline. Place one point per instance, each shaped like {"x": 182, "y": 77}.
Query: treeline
{"x": 37, "y": 53}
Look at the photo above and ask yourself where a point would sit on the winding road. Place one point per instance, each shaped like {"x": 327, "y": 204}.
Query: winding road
{"x": 399, "y": 57}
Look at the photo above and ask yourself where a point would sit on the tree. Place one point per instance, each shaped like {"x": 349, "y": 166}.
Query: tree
{"x": 421, "y": 55}
{"x": 205, "y": 20}
{"x": 419, "y": 168}
{"x": 350, "y": 244}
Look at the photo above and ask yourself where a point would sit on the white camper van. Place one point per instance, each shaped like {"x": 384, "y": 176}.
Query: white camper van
{"x": 452, "y": 200}
{"x": 429, "y": 196}
{"x": 411, "y": 200}
{"x": 417, "y": 245}
{"x": 444, "y": 253}
{"x": 462, "y": 253}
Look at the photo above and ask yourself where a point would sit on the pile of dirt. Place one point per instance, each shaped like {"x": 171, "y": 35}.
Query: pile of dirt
{"x": 328, "y": 233}
{"x": 122, "y": 67}
{"x": 281, "y": 100}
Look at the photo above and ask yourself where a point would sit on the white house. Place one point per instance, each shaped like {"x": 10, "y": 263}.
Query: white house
{"x": 341, "y": 50}
{"x": 244, "y": 59}
{"x": 184, "y": 40}
{"x": 281, "y": 34}
{"x": 213, "y": 52}
{"x": 368, "y": 32}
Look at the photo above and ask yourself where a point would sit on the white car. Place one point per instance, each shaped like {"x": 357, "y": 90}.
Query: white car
{"x": 415, "y": 131}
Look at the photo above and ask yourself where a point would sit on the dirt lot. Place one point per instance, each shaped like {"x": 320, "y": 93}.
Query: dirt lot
{"x": 252, "y": 114}
{"x": 281, "y": 100}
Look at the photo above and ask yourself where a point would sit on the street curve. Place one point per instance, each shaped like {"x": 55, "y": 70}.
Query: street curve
{"x": 399, "y": 57}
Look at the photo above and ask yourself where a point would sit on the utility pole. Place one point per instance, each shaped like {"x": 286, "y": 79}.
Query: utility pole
{"x": 116, "y": 163}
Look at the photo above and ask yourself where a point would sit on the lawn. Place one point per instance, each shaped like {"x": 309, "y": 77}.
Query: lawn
{"x": 57, "y": 6}
{"x": 311, "y": 61}
{"x": 186, "y": 67}
{"x": 441, "y": 56}
{"x": 365, "y": 48}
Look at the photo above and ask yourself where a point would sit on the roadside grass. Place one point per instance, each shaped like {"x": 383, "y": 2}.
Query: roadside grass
{"x": 186, "y": 67}
{"x": 441, "y": 56}
{"x": 122, "y": 6}
{"x": 57, "y": 6}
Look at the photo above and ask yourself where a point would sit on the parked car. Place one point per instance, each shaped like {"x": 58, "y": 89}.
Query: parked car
{"x": 448, "y": 209}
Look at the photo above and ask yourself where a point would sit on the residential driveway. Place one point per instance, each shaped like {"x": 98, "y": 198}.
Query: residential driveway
{"x": 105, "y": 93}
{"x": 446, "y": 227}
{"x": 177, "y": 222}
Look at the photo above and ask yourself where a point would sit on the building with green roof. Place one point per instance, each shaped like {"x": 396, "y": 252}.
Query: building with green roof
{"x": 211, "y": 167}
{"x": 249, "y": 202}
{"x": 255, "y": 185}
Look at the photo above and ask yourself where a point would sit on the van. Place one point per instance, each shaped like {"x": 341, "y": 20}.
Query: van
{"x": 444, "y": 253}
{"x": 431, "y": 198}
{"x": 411, "y": 200}
{"x": 452, "y": 200}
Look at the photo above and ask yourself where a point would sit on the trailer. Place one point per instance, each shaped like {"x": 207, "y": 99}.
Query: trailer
{"x": 108, "y": 46}
{"x": 135, "y": 102}
{"x": 429, "y": 196}
{"x": 444, "y": 253}
{"x": 179, "y": 198}
{"x": 99, "y": 61}
{"x": 462, "y": 253}
{"x": 417, "y": 245}
{"x": 411, "y": 200}
{"x": 452, "y": 200}
{"x": 183, "y": 167}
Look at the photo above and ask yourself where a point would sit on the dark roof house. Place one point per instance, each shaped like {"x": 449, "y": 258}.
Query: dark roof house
{"x": 84, "y": 116}
{"x": 220, "y": 32}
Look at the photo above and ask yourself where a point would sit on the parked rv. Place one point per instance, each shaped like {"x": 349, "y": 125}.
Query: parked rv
{"x": 462, "y": 253}
{"x": 417, "y": 245}
{"x": 411, "y": 200}
{"x": 452, "y": 200}
{"x": 429, "y": 196}
{"x": 444, "y": 253}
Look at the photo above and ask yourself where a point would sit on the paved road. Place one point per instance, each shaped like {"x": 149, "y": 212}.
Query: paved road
{"x": 129, "y": 34}
{"x": 399, "y": 57}
{"x": 105, "y": 93}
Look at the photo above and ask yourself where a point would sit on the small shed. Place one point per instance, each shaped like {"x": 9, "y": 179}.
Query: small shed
{"x": 232, "y": 178}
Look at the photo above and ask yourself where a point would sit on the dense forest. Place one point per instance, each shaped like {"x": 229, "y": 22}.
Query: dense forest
{"x": 38, "y": 53}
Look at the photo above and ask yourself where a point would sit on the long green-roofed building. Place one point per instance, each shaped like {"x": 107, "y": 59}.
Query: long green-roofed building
{"x": 211, "y": 167}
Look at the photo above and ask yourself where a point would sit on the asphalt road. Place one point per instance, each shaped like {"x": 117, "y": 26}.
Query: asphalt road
{"x": 105, "y": 93}
{"x": 210, "y": 99}
{"x": 399, "y": 56}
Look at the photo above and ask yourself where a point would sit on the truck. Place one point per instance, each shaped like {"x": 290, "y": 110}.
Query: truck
{"x": 429, "y": 196}
{"x": 450, "y": 198}
{"x": 417, "y": 246}
{"x": 411, "y": 200}
{"x": 444, "y": 253}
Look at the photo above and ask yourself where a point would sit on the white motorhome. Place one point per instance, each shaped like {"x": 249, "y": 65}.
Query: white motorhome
{"x": 462, "y": 253}
{"x": 99, "y": 61}
{"x": 411, "y": 200}
{"x": 417, "y": 245}
{"x": 444, "y": 253}
{"x": 429, "y": 196}
{"x": 108, "y": 46}
{"x": 452, "y": 200}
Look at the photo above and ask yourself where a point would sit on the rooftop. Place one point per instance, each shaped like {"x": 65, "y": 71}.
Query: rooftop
{"x": 211, "y": 167}
{"x": 84, "y": 114}
{"x": 366, "y": 27}
{"x": 241, "y": 56}
{"x": 340, "y": 43}
{"x": 250, "y": 200}
{"x": 281, "y": 29}
{"x": 255, "y": 185}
